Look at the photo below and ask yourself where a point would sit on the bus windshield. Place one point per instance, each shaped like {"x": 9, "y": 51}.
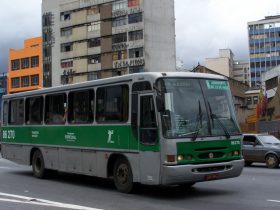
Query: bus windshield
{"x": 196, "y": 108}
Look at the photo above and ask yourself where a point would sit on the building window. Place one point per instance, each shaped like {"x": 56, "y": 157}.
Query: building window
{"x": 67, "y": 63}
{"x": 119, "y": 38}
{"x": 15, "y": 64}
{"x": 94, "y": 27}
{"x": 94, "y": 59}
{"x": 65, "y": 16}
{"x": 249, "y": 100}
{"x": 25, "y": 63}
{"x": 15, "y": 82}
{"x": 94, "y": 75}
{"x": 34, "y": 61}
{"x": 135, "y": 35}
{"x": 66, "y": 32}
{"x": 136, "y": 53}
{"x": 135, "y": 18}
{"x": 35, "y": 79}
{"x": 67, "y": 47}
{"x": 94, "y": 42}
{"x": 25, "y": 81}
{"x": 133, "y": 3}
{"x": 112, "y": 104}
{"x": 119, "y": 21}
{"x": 255, "y": 99}
{"x": 120, "y": 55}
{"x": 93, "y": 11}
{"x": 117, "y": 5}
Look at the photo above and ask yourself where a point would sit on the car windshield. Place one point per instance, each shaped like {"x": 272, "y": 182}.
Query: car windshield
{"x": 269, "y": 139}
{"x": 196, "y": 108}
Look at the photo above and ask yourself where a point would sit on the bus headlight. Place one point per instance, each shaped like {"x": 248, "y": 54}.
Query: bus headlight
{"x": 236, "y": 153}
{"x": 180, "y": 157}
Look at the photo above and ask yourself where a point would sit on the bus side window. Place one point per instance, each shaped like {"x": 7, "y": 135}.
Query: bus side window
{"x": 55, "y": 110}
{"x": 112, "y": 104}
{"x": 80, "y": 107}
{"x": 16, "y": 112}
{"x": 5, "y": 113}
{"x": 34, "y": 110}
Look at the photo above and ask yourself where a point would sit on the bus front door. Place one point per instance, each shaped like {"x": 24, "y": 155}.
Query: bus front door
{"x": 148, "y": 140}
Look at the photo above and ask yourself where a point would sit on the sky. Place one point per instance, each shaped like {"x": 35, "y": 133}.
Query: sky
{"x": 202, "y": 26}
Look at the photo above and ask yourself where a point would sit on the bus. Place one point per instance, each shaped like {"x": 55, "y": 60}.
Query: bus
{"x": 149, "y": 128}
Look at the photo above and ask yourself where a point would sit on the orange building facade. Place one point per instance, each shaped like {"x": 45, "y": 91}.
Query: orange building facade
{"x": 25, "y": 67}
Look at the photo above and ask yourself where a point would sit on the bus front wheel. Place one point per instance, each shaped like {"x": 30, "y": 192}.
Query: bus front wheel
{"x": 123, "y": 177}
{"x": 38, "y": 165}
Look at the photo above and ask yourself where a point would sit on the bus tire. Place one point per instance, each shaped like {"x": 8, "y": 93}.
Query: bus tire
{"x": 38, "y": 165}
{"x": 123, "y": 178}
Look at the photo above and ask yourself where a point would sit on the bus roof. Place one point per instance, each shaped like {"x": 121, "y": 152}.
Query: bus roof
{"x": 148, "y": 76}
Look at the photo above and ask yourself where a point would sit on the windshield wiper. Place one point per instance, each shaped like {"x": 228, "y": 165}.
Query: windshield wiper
{"x": 213, "y": 116}
{"x": 198, "y": 121}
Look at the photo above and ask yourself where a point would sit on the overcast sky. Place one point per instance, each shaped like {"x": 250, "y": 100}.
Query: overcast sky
{"x": 202, "y": 26}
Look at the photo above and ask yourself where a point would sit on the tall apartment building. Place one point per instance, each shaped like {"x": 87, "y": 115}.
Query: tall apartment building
{"x": 25, "y": 67}
{"x": 92, "y": 39}
{"x": 264, "y": 45}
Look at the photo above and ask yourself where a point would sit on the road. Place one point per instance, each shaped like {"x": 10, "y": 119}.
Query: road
{"x": 257, "y": 188}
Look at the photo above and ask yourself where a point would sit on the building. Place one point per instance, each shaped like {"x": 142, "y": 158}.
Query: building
{"x": 222, "y": 64}
{"x": 227, "y": 66}
{"x": 264, "y": 46}
{"x": 93, "y": 39}
{"x": 25, "y": 67}
{"x": 270, "y": 81}
{"x": 241, "y": 71}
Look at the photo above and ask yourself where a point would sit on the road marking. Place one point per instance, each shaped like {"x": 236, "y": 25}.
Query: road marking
{"x": 3, "y": 167}
{"x": 41, "y": 202}
{"x": 276, "y": 201}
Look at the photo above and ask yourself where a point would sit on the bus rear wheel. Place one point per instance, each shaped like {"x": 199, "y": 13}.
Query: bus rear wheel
{"x": 123, "y": 177}
{"x": 38, "y": 165}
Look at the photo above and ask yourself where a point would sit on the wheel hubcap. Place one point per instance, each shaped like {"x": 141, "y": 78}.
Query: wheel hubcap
{"x": 122, "y": 174}
{"x": 271, "y": 161}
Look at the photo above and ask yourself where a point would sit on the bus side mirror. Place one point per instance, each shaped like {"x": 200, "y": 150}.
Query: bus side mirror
{"x": 160, "y": 103}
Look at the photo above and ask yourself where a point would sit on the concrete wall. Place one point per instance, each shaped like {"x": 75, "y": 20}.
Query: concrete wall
{"x": 159, "y": 35}
{"x": 220, "y": 65}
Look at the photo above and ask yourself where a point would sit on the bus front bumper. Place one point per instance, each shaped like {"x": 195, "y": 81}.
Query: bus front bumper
{"x": 180, "y": 174}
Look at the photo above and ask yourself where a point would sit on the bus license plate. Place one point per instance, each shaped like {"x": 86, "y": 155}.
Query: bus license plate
{"x": 211, "y": 177}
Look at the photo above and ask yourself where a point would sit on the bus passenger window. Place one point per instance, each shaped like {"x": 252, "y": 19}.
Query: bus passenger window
{"x": 5, "y": 113}
{"x": 112, "y": 104}
{"x": 34, "y": 111}
{"x": 55, "y": 110}
{"x": 80, "y": 107}
{"x": 16, "y": 112}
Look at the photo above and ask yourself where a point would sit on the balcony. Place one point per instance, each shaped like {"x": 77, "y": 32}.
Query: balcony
{"x": 94, "y": 67}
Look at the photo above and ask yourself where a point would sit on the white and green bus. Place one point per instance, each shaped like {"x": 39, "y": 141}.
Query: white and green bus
{"x": 149, "y": 128}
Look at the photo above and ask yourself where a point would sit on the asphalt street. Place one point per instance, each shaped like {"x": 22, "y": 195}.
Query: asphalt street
{"x": 257, "y": 188}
